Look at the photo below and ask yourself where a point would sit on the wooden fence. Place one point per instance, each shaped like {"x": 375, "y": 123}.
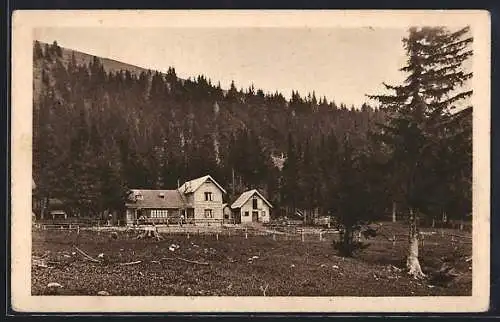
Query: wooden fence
{"x": 219, "y": 231}
{"x": 177, "y": 221}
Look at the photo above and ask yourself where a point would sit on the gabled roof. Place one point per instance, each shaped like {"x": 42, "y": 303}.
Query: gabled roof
{"x": 193, "y": 185}
{"x": 243, "y": 198}
{"x": 53, "y": 202}
{"x": 160, "y": 199}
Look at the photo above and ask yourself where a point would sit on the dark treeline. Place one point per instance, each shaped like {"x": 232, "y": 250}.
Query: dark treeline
{"x": 97, "y": 133}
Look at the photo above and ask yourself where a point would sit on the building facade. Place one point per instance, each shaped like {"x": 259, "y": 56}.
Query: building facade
{"x": 195, "y": 201}
{"x": 251, "y": 206}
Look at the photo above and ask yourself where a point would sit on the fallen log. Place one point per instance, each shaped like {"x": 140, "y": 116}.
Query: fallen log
{"x": 185, "y": 260}
{"x": 87, "y": 256}
{"x": 39, "y": 263}
{"x": 131, "y": 263}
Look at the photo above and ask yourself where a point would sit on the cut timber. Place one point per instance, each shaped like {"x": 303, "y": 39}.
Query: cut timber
{"x": 131, "y": 263}
{"x": 185, "y": 260}
{"x": 86, "y": 255}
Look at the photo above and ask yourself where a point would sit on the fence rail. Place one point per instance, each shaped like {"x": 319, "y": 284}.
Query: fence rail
{"x": 178, "y": 222}
{"x": 285, "y": 234}
{"x": 60, "y": 227}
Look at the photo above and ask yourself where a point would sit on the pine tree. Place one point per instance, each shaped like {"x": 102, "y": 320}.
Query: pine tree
{"x": 37, "y": 50}
{"x": 289, "y": 187}
{"x": 419, "y": 109}
{"x": 47, "y": 155}
{"x": 56, "y": 50}
{"x": 350, "y": 189}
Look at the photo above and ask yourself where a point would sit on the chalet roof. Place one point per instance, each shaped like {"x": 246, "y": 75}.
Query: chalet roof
{"x": 55, "y": 202}
{"x": 160, "y": 199}
{"x": 243, "y": 198}
{"x": 57, "y": 212}
{"x": 193, "y": 185}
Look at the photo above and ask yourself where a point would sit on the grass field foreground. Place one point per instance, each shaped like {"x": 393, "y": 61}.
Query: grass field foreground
{"x": 235, "y": 266}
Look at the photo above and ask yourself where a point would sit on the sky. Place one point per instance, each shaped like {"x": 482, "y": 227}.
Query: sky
{"x": 342, "y": 64}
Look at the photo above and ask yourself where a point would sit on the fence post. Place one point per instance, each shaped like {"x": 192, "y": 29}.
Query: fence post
{"x": 217, "y": 236}
{"x": 320, "y": 236}
{"x": 302, "y": 235}
{"x": 246, "y": 233}
{"x": 393, "y": 240}
{"x": 274, "y": 236}
{"x": 78, "y": 229}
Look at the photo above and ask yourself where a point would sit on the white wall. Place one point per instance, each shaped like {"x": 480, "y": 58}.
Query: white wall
{"x": 200, "y": 204}
{"x": 262, "y": 208}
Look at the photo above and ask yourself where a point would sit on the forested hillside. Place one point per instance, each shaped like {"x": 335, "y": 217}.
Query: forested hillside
{"x": 101, "y": 127}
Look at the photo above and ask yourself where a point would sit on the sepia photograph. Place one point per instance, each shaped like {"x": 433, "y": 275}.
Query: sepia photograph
{"x": 250, "y": 161}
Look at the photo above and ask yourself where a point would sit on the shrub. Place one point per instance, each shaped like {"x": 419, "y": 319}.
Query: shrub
{"x": 347, "y": 246}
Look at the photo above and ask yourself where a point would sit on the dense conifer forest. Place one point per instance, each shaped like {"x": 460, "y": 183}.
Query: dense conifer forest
{"x": 101, "y": 128}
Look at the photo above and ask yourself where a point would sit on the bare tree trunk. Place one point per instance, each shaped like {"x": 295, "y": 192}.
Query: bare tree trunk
{"x": 412, "y": 262}
{"x": 393, "y": 211}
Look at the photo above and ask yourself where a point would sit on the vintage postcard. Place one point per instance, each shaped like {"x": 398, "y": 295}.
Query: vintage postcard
{"x": 250, "y": 161}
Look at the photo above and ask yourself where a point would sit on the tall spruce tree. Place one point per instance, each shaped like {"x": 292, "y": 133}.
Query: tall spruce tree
{"x": 419, "y": 110}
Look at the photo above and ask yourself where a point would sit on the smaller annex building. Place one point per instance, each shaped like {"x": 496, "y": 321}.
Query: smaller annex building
{"x": 251, "y": 206}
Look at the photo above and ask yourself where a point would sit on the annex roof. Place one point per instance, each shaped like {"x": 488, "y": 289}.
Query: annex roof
{"x": 157, "y": 199}
{"x": 193, "y": 185}
{"x": 243, "y": 198}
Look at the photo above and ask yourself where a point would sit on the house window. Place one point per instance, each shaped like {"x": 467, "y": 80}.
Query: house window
{"x": 247, "y": 214}
{"x": 254, "y": 203}
{"x": 159, "y": 213}
{"x": 208, "y": 196}
{"x": 208, "y": 213}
